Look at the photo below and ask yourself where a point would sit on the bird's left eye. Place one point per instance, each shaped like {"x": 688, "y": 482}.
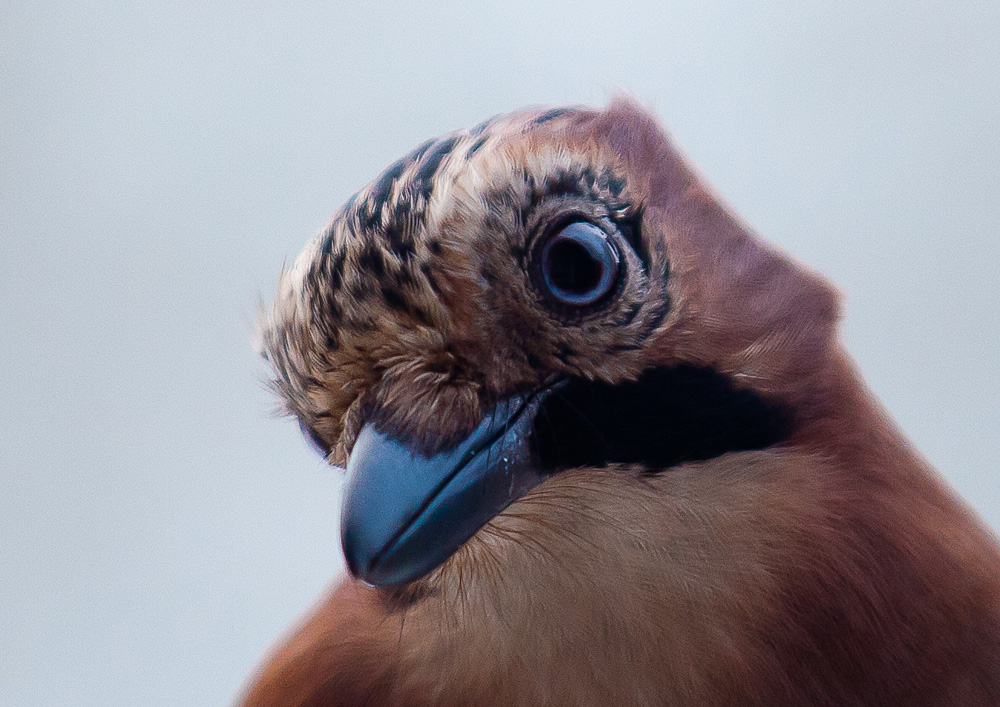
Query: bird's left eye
{"x": 318, "y": 444}
{"x": 579, "y": 264}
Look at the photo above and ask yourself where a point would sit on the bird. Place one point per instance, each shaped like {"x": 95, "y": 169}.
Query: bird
{"x": 604, "y": 445}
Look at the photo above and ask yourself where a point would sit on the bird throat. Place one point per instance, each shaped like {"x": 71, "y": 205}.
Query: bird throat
{"x": 666, "y": 417}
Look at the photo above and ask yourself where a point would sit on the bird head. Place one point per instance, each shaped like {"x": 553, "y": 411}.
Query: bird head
{"x": 603, "y": 444}
{"x": 550, "y": 290}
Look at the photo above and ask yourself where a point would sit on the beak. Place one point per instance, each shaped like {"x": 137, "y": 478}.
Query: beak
{"x": 405, "y": 513}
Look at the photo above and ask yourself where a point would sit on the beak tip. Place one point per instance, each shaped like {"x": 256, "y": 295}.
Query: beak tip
{"x": 361, "y": 560}
{"x": 356, "y": 563}
{"x": 366, "y": 562}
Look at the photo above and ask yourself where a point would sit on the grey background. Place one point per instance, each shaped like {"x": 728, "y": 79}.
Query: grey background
{"x": 159, "y": 161}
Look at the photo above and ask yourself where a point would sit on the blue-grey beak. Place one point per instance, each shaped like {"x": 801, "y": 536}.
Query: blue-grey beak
{"x": 405, "y": 513}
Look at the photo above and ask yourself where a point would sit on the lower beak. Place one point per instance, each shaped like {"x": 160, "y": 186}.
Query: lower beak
{"x": 405, "y": 513}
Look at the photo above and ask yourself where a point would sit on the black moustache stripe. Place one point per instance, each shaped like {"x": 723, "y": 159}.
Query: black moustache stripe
{"x": 666, "y": 417}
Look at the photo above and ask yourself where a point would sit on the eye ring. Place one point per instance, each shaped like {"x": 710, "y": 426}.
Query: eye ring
{"x": 578, "y": 264}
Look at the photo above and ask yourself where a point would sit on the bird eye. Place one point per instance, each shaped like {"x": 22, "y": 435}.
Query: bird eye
{"x": 314, "y": 440}
{"x": 579, "y": 265}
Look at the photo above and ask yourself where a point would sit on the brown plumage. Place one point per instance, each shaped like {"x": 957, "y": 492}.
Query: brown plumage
{"x": 755, "y": 532}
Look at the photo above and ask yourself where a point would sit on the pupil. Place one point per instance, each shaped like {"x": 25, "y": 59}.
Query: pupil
{"x": 572, "y": 269}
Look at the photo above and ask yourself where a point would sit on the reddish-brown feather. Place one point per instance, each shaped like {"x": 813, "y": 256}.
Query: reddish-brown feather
{"x": 834, "y": 569}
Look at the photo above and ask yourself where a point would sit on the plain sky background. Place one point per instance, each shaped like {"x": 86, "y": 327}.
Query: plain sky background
{"x": 159, "y": 161}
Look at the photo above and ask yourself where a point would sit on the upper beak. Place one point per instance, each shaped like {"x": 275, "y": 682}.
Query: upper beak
{"x": 405, "y": 513}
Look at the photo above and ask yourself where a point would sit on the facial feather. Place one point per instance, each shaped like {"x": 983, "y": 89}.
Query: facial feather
{"x": 756, "y": 531}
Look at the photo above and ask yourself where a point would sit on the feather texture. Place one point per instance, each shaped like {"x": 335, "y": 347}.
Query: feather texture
{"x": 817, "y": 560}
